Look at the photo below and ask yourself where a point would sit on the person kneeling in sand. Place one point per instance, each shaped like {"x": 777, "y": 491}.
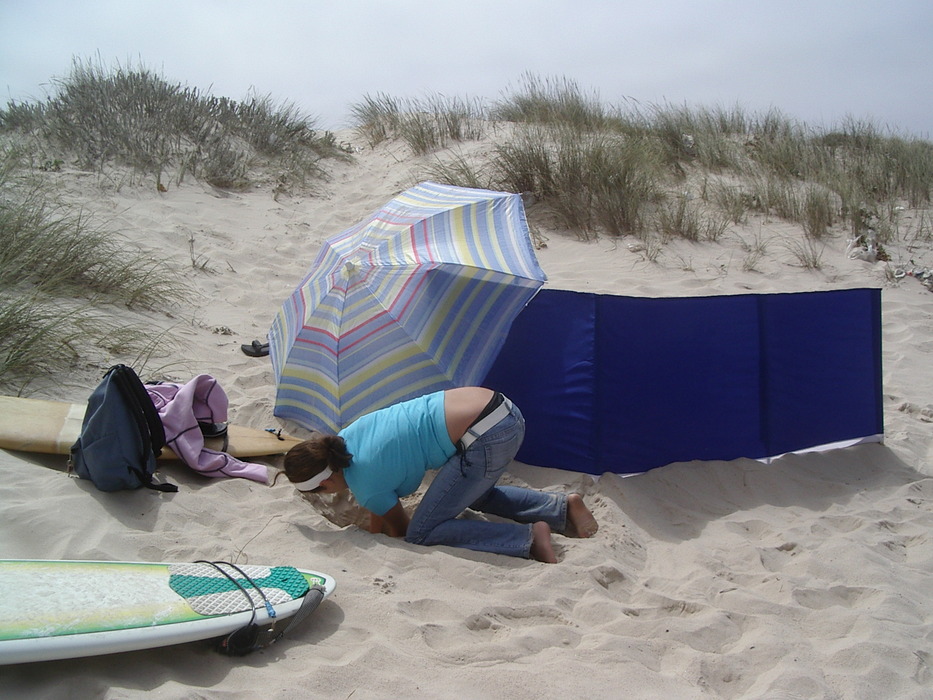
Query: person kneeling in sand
{"x": 469, "y": 435}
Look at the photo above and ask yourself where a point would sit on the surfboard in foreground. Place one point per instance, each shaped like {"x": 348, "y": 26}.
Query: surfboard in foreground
{"x": 51, "y": 427}
{"x": 67, "y": 609}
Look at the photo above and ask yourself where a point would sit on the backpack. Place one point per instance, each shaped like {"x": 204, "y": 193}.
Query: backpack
{"x": 121, "y": 435}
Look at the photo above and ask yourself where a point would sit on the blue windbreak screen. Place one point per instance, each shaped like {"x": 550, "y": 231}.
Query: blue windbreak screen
{"x": 622, "y": 384}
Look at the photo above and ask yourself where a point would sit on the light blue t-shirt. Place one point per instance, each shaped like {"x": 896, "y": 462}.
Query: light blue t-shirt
{"x": 393, "y": 447}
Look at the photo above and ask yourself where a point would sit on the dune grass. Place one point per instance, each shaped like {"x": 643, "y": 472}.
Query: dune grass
{"x": 556, "y": 102}
{"x": 654, "y": 172}
{"x": 59, "y": 272}
{"x": 684, "y": 217}
{"x": 57, "y": 251}
{"x": 131, "y": 116}
{"x": 624, "y": 170}
{"x": 425, "y": 125}
{"x": 590, "y": 181}
{"x": 46, "y": 334}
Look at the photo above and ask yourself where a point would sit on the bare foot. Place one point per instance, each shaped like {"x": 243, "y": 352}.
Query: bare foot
{"x": 541, "y": 548}
{"x": 580, "y": 521}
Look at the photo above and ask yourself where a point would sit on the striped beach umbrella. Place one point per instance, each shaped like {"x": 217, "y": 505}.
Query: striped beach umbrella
{"x": 416, "y": 298}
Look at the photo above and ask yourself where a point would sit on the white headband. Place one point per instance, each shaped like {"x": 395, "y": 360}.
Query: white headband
{"x": 314, "y": 481}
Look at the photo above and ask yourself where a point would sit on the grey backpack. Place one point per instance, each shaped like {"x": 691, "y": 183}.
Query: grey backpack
{"x": 121, "y": 435}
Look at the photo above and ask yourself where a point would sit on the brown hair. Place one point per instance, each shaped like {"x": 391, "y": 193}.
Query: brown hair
{"x": 311, "y": 457}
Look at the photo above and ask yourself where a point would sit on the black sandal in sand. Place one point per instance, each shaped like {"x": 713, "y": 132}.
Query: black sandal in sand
{"x": 256, "y": 349}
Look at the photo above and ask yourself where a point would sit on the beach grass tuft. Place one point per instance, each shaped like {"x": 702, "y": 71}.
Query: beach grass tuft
{"x": 622, "y": 170}
{"x": 655, "y": 172}
{"x": 59, "y": 270}
{"x": 54, "y": 250}
{"x": 132, "y": 116}
{"x": 425, "y": 125}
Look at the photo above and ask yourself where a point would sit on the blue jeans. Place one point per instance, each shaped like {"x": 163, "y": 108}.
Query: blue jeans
{"x": 468, "y": 480}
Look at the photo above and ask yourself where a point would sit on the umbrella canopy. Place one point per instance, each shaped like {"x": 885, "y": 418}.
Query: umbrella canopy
{"x": 416, "y": 298}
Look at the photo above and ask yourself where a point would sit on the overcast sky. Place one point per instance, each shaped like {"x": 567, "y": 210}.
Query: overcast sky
{"x": 817, "y": 60}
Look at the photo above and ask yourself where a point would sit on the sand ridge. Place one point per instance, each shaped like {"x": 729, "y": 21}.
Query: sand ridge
{"x": 803, "y": 578}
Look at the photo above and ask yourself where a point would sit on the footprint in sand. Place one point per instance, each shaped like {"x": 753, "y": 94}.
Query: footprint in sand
{"x": 502, "y": 633}
{"x": 921, "y": 413}
{"x": 841, "y": 596}
{"x": 509, "y": 617}
{"x": 384, "y": 585}
{"x": 751, "y": 529}
{"x": 843, "y": 523}
{"x": 904, "y": 549}
{"x": 613, "y": 580}
{"x": 775, "y": 558}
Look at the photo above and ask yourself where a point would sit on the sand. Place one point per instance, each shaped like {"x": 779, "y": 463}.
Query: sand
{"x": 804, "y": 578}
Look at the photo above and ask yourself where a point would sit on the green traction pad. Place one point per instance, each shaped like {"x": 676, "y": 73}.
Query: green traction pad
{"x": 209, "y": 592}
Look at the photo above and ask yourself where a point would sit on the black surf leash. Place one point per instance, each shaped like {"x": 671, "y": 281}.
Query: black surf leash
{"x": 250, "y": 637}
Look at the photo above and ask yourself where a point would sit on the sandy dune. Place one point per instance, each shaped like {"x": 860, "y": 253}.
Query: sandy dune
{"x": 804, "y": 578}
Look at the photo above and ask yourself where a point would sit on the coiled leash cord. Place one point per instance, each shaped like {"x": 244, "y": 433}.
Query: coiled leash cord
{"x": 249, "y": 638}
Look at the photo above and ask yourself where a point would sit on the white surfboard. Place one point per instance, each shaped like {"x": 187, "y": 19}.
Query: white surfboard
{"x": 67, "y": 609}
